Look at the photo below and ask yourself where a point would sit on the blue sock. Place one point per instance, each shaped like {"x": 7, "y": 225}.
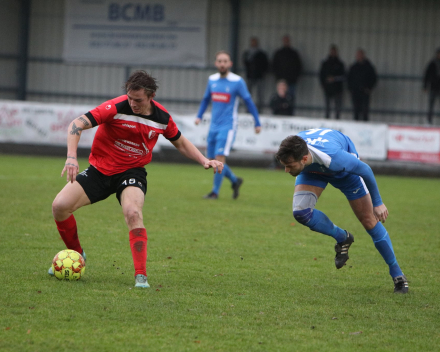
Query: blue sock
{"x": 229, "y": 174}
{"x": 218, "y": 179}
{"x": 383, "y": 244}
{"x": 321, "y": 223}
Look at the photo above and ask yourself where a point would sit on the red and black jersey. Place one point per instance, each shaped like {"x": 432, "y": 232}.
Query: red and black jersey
{"x": 125, "y": 140}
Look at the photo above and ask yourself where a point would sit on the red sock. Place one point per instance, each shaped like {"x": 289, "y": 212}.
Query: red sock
{"x": 138, "y": 245}
{"x": 69, "y": 233}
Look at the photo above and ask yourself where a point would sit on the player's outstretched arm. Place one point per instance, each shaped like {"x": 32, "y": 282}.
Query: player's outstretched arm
{"x": 186, "y": 148}
{"x": 71, "y": 167}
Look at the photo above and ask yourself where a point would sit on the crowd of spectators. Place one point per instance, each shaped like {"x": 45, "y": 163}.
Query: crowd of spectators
{"x": 360, "y": 79}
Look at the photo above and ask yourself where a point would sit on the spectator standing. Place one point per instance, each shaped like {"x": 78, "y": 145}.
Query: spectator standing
{"x": 256, "y": 64}
{"x": 362, "y": 78}
{"x": 287, "y": 65}
{"x": 332, "y": 76}
{"x": 431, "y": 83}
{"x": 281, "y": 102}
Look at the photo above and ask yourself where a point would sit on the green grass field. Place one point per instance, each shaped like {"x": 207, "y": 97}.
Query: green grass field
{"x": 225, "y": 275}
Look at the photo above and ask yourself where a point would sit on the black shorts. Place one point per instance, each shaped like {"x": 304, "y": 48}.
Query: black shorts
{"x": 99, "y": 186}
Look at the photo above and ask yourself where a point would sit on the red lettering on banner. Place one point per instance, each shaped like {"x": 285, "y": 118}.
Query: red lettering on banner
{"x": 221, "y": 97}
{"x": 414, "y": 144}
{"x": 9, "y": 117}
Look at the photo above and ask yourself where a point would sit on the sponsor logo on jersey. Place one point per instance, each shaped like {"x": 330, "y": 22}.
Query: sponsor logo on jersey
{"x": 151, "y": 134}
{"x": 108, "y": 107}
{"x": 130, "y": 142}
{"x": 129, "y": 149}
{"x": 129, "y": 126}
{"x": 221, "y": 97}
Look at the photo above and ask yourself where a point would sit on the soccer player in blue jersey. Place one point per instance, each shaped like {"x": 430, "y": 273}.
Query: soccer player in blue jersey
{"x": 223, "y": 90}
{"x": 321, "y": 156}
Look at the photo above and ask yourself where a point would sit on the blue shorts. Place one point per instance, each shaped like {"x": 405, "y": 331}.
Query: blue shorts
{"x": 219, "y": 143}
{"x": 353, "y": 186}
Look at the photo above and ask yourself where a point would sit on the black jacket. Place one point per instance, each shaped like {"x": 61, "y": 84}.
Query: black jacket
{"x": 361, "y": 76}
{"x": 431, "y": 80}
{"x": 256, "y": 65}
{"x": 282, "y": 106}
{"x": 287, "y": 64}
{"x": 332, "y": 67}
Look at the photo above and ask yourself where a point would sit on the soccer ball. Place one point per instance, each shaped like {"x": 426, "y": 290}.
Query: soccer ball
{"x": 68, "y": 265}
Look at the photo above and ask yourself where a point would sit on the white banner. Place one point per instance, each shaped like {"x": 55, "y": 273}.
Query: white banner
{"x": 414, "y": 144}
{"x": 164, "y": 32}
{"x": 40, "y": 123}
{"x": 369, "y": 139}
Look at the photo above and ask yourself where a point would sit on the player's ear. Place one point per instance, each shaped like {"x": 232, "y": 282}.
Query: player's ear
{"x": 152, "y": 95}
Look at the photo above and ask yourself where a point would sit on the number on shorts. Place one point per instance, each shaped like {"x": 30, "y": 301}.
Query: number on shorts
{"x": 131, "y": 181}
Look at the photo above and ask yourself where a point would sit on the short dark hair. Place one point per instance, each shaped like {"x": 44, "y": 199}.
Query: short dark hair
{"x": 292, "y": 148}
{"x": 222, "y": 52}
{"x": 141, "y": 80}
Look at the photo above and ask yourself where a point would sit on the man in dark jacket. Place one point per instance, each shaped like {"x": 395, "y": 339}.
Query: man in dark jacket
{"x": 362, "y": 78}
{"x": 287, "y": 65}
{"x": 281, "y": 102}
{"x": 332, "y": 76}
{"x": 431, "y": 82}
{"x": 256, "y": 64}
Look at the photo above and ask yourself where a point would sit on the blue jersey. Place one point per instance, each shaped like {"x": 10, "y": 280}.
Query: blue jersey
{"x": 224, "y": 93}
{"x": 334, "y": 155}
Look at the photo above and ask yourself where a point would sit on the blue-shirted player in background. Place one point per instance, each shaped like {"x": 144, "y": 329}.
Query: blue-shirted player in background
{"x": 321, "y": 156}
{"x": 223, "y": 90}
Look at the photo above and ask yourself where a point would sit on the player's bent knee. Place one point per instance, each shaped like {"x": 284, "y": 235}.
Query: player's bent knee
{"x": 303, "y": 204}
{"x": 60, "y": 208}
{"x": 368, "y": 221}
{"x": 133, "y": 216}
{"x": 303, "y": 216}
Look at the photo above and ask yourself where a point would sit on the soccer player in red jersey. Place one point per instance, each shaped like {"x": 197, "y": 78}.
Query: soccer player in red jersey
{"x": 129, "y": 127}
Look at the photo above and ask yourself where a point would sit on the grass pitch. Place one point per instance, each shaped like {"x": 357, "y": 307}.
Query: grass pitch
{"x": 225, "y": 275}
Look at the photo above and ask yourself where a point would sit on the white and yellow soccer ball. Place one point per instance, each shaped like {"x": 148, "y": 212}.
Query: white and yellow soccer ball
{"x": 68, "y": 265}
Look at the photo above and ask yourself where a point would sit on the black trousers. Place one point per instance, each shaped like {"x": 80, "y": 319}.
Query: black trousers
{"x": 336, "y": 99}
{"x": 433, "y": 94}
{"x": 361, "y": 105}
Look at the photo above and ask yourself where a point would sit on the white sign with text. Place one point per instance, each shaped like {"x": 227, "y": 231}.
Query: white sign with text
{"x": 162, "y": 32}
{"x": 41, "y": 123}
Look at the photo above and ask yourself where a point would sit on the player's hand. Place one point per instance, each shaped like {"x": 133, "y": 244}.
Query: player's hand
{"x": 381, "y": 212}
{"x": 257, "y": 129}
{"x": 215, "y": 164}
{"x": 71, "y": 168}
{"x": 197, "y": 121}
